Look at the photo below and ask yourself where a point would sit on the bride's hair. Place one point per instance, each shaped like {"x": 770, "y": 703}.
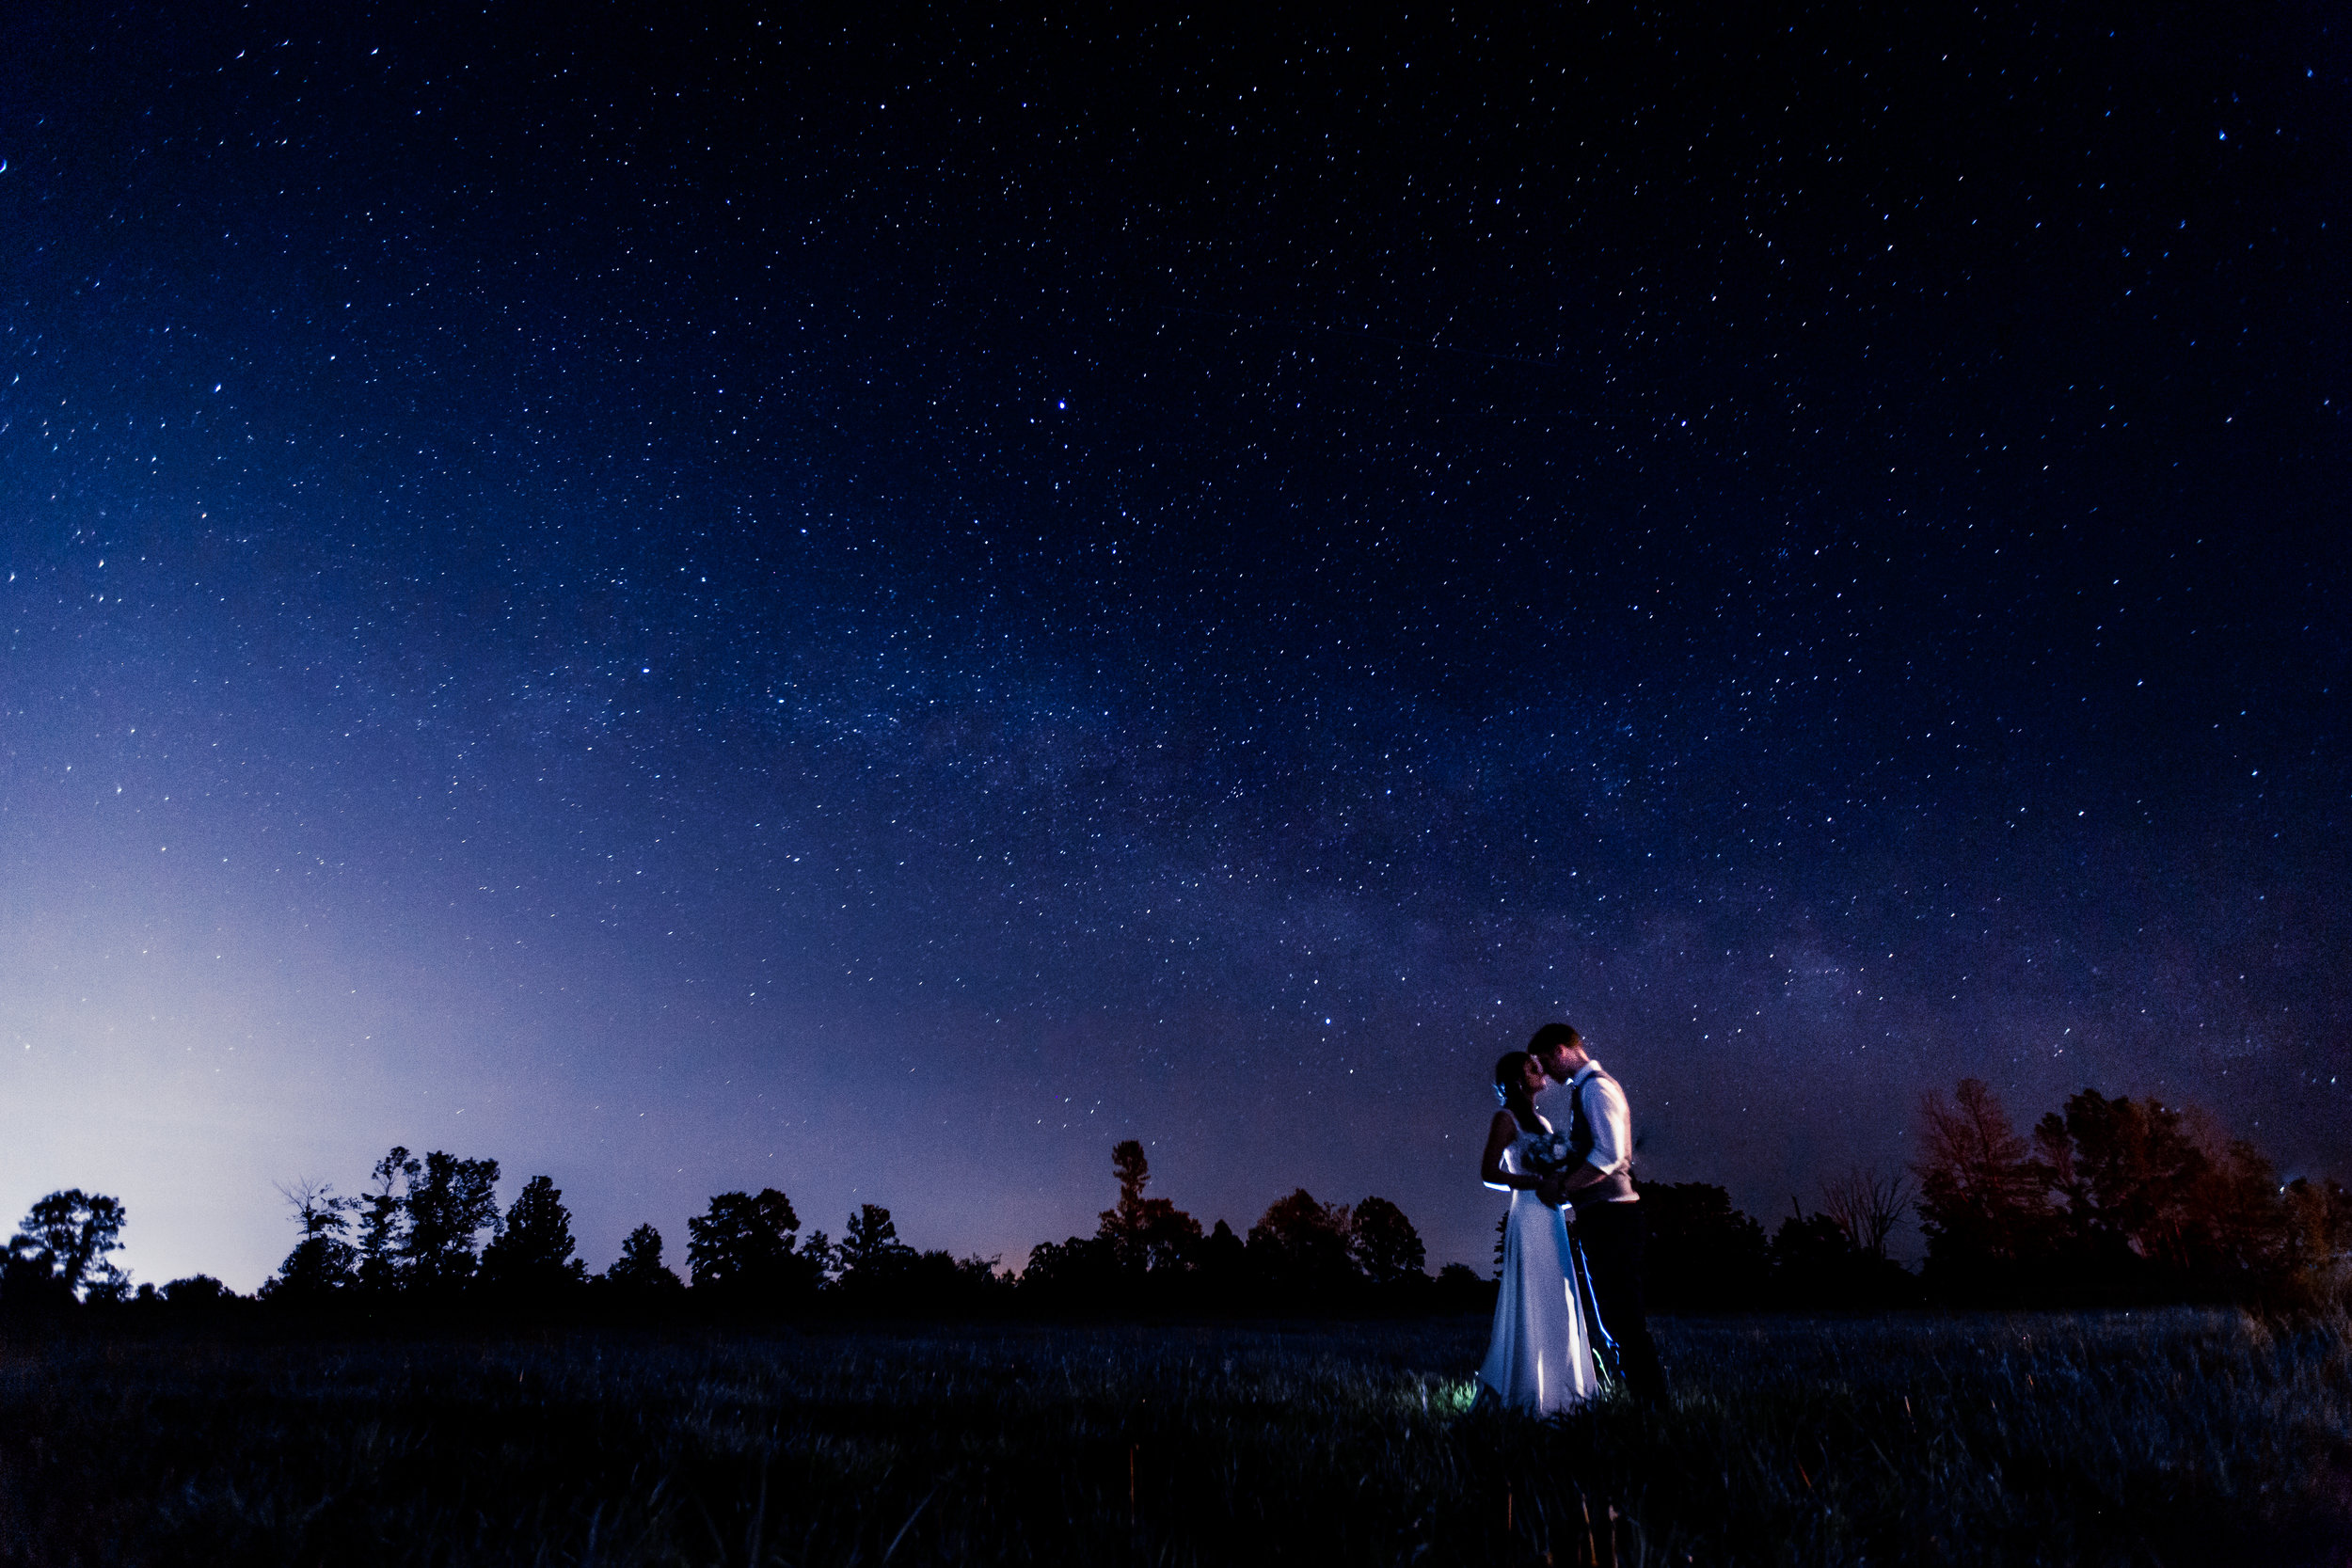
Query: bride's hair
{"x": 1511, "y": 1086}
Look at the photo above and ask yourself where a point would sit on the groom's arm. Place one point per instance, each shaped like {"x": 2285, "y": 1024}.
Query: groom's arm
{"x": 1613, "y": 1136}
{"x": 1582, "y": 1177}
{"x": 1609, "y": 1148}
{"x": 1558, "y": 1188}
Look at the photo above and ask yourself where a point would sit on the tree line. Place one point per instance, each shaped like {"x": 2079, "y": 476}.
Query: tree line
{"x": 2107, "y": 1202}
{"x": 427, "y": 1231}
{"x": 2117, "y": 1200}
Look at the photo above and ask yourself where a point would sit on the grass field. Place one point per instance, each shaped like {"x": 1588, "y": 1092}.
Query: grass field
{"x": 2175, "y": 1437}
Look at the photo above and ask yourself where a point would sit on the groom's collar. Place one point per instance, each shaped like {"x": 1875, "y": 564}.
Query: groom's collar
{"x": 1584, "y": 1072}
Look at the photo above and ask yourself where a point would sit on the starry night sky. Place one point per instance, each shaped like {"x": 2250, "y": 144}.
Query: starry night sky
{"x": 872, "y": 601}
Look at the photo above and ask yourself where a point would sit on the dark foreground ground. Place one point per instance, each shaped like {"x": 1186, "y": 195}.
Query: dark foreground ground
{"x": 2176, "y": 1437}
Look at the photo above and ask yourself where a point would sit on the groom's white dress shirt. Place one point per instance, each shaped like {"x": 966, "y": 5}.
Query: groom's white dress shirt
{"x": 1612, "y": 1118}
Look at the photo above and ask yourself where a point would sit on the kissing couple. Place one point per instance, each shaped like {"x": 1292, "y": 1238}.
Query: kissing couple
{"x": 1570, "y": 1302}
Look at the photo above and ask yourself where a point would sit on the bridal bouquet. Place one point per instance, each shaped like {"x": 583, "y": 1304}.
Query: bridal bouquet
{"x": 1549, "y": 1154}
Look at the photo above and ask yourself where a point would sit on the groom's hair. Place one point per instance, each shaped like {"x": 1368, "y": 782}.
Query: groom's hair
{"x": 1551, "y": 1035}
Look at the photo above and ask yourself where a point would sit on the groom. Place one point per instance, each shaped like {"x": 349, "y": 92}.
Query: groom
{"x": 1600, "y": 1190}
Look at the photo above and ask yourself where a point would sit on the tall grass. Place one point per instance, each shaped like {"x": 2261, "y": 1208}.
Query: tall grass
{"x": 2178, "y": 1437}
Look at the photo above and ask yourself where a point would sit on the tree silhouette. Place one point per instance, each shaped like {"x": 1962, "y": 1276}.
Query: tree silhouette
{"x": 65, "y": 1236}
{"x": 870, "y": 1249}
{"x": 1980, "y": 1198}
{"x": 744, "y": 1247}
{"x": 2127, "y": 1177}
{"x": 1383, "y": 1243}
{"x": 322, "y": 1262}
{"x": 1221, "y": 1264}
{"x": 2315, "y": 1244}
{"x": 1081, "y": 1272}
{"x": 639, "y": 1270}
{"x": 2239, "y": 1224}
{"x": 1148, "y": 1235}
{"x": 532, "y": 1254}
{"x": 384, "y": 1221}
{"x": 1301, "y": 1245}
{"x": 1703, "y": 1252}
{"x": 1132, "y": 1168}
{"x": 1460, "y": 1289}
{"x": 938, "y": 1281}
{"x": 1811, "y": 1257}
{"x": 1866, "y": 1206}
{"x": 196, "y": 1292}
{"x": 2122, "y": 1200}
{"x": 1815, "y": 1265}
{"x": 449, "y": 1203}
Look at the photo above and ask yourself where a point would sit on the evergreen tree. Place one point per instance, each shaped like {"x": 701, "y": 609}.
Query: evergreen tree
{"x": 532, "y": 1254}
{"x": 1148, "y": 1235}
{"x": 384, "y": 1221}
{"x": 870, "y": 1251}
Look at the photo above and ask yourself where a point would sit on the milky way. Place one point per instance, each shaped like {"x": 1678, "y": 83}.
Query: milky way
{"x": 871, "y": 605}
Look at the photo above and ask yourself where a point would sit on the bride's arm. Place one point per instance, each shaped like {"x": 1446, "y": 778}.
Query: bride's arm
{"x": 1498, "y": 1136}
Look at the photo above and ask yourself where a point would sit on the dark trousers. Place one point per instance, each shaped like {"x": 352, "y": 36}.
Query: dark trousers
{"x": 1611, "y": 1235}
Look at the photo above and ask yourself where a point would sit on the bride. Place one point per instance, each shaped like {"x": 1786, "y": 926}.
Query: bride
{"x": 1538, "y": 1359}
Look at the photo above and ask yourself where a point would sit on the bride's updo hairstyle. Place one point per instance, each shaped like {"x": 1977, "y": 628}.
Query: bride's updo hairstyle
{"x": 1511, "y": 1086}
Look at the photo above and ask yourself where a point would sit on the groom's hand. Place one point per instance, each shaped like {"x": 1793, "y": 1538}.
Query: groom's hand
{"x": 1548, "y": 1189}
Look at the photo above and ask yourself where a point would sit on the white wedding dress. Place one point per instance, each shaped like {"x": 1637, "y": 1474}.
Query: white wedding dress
{"x": 1538, "y": 1359}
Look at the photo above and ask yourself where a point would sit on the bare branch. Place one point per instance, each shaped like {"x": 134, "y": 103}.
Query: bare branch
{"x": 1866, "y": 1206}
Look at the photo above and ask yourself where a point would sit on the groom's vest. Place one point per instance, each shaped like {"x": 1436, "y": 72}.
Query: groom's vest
{"x": 1608, "y": 1189}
